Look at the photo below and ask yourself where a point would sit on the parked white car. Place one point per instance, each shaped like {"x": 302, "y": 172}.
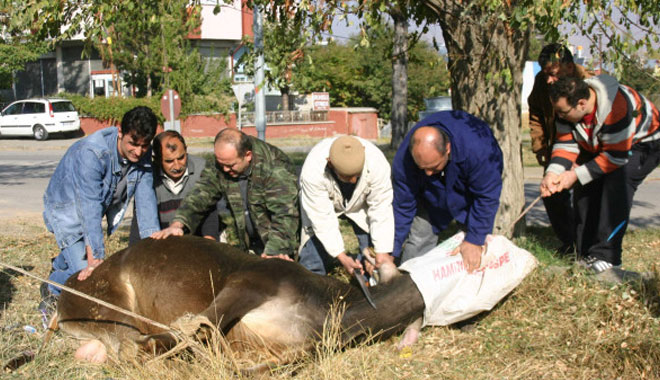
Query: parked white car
{"x": 39, "y": 118}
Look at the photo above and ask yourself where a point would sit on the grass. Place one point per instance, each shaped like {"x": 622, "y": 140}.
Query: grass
{"x": 555, "y": 325}
{"x": 558, "y": 324}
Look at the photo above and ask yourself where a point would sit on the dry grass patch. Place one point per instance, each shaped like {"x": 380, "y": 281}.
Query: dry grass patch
{"x": 555, "y": 325}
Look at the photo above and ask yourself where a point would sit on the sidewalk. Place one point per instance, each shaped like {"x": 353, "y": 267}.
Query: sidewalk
{"x": 536, "y": 172}
{"x": 27, "y": 164}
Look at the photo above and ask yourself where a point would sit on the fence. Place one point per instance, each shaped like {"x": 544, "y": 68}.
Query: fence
{"x": 286, "y": 117}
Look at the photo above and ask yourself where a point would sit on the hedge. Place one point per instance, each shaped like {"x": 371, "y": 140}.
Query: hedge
{"x": 112, "y": 109}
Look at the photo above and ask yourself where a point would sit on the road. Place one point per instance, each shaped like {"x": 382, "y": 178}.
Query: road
{"x": 26, "y": 166}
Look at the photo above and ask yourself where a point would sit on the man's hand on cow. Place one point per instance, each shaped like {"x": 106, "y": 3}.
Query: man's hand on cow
{"x": 471, "y": 255}
{"x": 280, "y": 256}
{"x": 92, "y": 263}
{"x": 175, "y": 229}
{"x": 349, "y": 263}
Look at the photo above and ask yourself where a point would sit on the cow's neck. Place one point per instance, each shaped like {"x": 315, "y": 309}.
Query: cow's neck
{"x": 398, "y": 304}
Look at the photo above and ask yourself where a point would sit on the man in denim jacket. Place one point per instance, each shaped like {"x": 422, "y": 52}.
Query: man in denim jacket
{"x": 98, "y": 176}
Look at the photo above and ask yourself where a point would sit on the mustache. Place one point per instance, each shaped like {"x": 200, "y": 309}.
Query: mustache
{"x": 178, "y": 171}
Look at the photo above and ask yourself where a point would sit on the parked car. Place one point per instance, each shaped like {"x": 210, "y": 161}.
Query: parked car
{"x": 433, "y": 105}
{"x": 39, "y": 118}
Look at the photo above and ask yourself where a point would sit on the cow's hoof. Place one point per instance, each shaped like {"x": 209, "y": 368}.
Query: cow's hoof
{"x": 92, "y": 351}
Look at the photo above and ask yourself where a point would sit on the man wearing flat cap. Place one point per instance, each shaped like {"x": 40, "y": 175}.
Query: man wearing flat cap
{"x": 345, "y": 177}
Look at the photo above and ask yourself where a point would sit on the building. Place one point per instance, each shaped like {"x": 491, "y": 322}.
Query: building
{"x": 67, "y": 69}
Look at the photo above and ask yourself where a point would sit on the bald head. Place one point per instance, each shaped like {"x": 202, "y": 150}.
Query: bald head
{"x": 234, "y": 138}
{"x": 233, "y": 151}
{"x": 430, "y": 149}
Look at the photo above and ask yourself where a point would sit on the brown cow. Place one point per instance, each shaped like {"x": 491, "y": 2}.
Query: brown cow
{"x": 271, "y": 307}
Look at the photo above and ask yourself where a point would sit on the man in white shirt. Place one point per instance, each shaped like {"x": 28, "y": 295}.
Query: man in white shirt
{"x": 345, "y": 177}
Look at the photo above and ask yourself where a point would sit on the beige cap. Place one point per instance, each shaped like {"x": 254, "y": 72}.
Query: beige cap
{"x": 347, "y": 156}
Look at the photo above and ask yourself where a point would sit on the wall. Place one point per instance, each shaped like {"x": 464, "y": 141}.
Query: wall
{"x": 362, "y": 122}
{"x": 30, "y": 80}
{"x": 75, "y": 70}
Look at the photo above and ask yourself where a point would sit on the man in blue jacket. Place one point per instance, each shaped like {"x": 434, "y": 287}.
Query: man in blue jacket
{"x": 448, "y": 167}
{"x": 97, "y": 177}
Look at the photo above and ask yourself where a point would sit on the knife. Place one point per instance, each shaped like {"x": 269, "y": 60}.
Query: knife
{"x": 359, "y": 277}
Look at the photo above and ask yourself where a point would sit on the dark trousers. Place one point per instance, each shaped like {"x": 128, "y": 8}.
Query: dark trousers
{"x": 559, "y": 208}
{"x": 314, "y": 257}
{"x": 603, "y": 205}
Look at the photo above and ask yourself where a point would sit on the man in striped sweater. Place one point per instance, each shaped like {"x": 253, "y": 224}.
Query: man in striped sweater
{"x": 556, "y": 61}
{"x": 608, "y": 141}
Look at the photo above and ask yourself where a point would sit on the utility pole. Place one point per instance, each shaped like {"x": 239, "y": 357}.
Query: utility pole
{"x": 259, "y": 85}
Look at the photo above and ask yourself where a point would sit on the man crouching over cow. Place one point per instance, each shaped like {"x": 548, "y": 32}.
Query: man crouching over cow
{"x": 175, "y": 174}
{"x": 345, "y": 177}
{"x": 448, "y": 167}
{"x": 98, "y": 176}
{"x": 259, "y": 184}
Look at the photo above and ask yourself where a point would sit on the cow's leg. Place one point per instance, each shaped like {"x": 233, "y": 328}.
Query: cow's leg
{"x": 236, "y": 298}
{"x": 93, "y": 351}
{"x": 410, "y": 335}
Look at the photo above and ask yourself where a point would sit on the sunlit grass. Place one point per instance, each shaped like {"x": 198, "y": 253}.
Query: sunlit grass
{"x": 556, "y": 324}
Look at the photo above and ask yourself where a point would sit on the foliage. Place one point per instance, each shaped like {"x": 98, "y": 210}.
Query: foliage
{"x": 283, "y": 47}
{"x": 111, "y": 109}
{"x": 13, "y": 57}
{"x": 359, "y": 75}
{"x": 202, "y": 84}
{"x": 624, "y": 32}
{"x": 641, "y": 79}
{"x": 15, "y": 49}
{"x": 147, "y": 39}
{"x": 535, "y": 45}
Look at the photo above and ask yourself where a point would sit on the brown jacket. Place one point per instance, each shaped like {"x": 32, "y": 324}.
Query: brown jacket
{"x": 541, "y": 116}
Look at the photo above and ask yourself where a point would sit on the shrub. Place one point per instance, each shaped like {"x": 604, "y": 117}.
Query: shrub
{"x": 113, "y": 108}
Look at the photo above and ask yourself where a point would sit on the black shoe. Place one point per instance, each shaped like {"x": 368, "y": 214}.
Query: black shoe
{"x": 43, "y": 290}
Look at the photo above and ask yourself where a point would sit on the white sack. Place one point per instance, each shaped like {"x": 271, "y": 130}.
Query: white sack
{"x": 451, "y": 294}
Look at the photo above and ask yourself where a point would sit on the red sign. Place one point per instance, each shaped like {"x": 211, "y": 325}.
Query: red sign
{"x": 320, "y": 101}
{"x": 170, "y": 105}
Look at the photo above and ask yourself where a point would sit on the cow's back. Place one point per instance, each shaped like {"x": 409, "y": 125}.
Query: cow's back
{"x": 158, "y": 279}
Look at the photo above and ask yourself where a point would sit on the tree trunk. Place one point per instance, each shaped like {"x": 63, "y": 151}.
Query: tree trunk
{"x": 399, "y": 116}
{"x": 148, "y": 85}
{"x": 486, "y": 59}
{"x": 285, "y": 99}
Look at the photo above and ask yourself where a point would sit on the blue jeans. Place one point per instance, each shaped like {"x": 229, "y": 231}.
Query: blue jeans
{"x": 314, "y": 257}
{"x": 70, "y": 260}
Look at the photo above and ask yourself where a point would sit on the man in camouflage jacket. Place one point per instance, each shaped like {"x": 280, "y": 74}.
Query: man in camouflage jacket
{"x": 260, "y": 187}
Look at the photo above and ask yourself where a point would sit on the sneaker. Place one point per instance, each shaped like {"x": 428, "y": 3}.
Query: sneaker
{"x": 596, "y": 265}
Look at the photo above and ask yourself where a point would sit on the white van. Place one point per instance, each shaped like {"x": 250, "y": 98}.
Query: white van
{"x": 39, "y": 118}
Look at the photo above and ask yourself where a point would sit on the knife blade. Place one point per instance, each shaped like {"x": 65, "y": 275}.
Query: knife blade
{"x": 359, "y": 277}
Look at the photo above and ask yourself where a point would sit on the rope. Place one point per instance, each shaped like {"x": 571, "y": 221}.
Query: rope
{"x": 525, "y": 211}
{"x": 176, "y": 333}
{"x": 93, "y": 299}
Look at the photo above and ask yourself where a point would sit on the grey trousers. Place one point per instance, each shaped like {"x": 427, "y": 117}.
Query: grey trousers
{"x": 421, "y": 238}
